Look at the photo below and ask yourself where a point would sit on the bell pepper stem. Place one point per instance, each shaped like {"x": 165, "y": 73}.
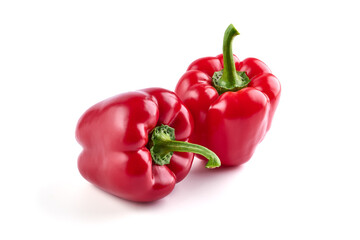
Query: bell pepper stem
{"x": 229, "y": 71}
{"x": 178, "y": 146}
{"x": 163, "y": 144}
{"x": 228, "y": 79}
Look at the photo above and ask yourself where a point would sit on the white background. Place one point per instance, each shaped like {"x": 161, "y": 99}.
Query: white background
{"x": 57, "y": 58}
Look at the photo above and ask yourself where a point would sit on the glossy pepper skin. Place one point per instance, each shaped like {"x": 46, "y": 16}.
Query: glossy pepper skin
{"x": 232, "y": 122}
{"x": 115, "y": 134}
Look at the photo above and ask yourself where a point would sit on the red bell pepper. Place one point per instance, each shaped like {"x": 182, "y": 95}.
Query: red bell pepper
{"x": 129, "y": 146}
{"x": 232, "y": 102}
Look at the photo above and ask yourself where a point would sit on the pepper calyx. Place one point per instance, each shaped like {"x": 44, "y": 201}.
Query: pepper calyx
{"x": 159, "y": 136}
{"x": 221, "y": 87}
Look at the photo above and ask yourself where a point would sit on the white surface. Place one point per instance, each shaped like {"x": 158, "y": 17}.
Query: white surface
{"x": 57, "y": 58}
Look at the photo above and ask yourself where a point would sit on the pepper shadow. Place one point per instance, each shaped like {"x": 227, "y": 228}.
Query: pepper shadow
{"x": 85, "y": 202}
{"x": 203, "y": 184}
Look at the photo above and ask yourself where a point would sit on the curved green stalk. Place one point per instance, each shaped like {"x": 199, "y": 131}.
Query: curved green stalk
{"x": 163, "y": 144}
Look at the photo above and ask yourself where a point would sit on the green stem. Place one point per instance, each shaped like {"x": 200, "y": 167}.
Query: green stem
{"x": 163, "y": 144}
{"x": 178, "y": 146}
{"x": 229, "y": 71}
{"x": 229, "y": 79}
